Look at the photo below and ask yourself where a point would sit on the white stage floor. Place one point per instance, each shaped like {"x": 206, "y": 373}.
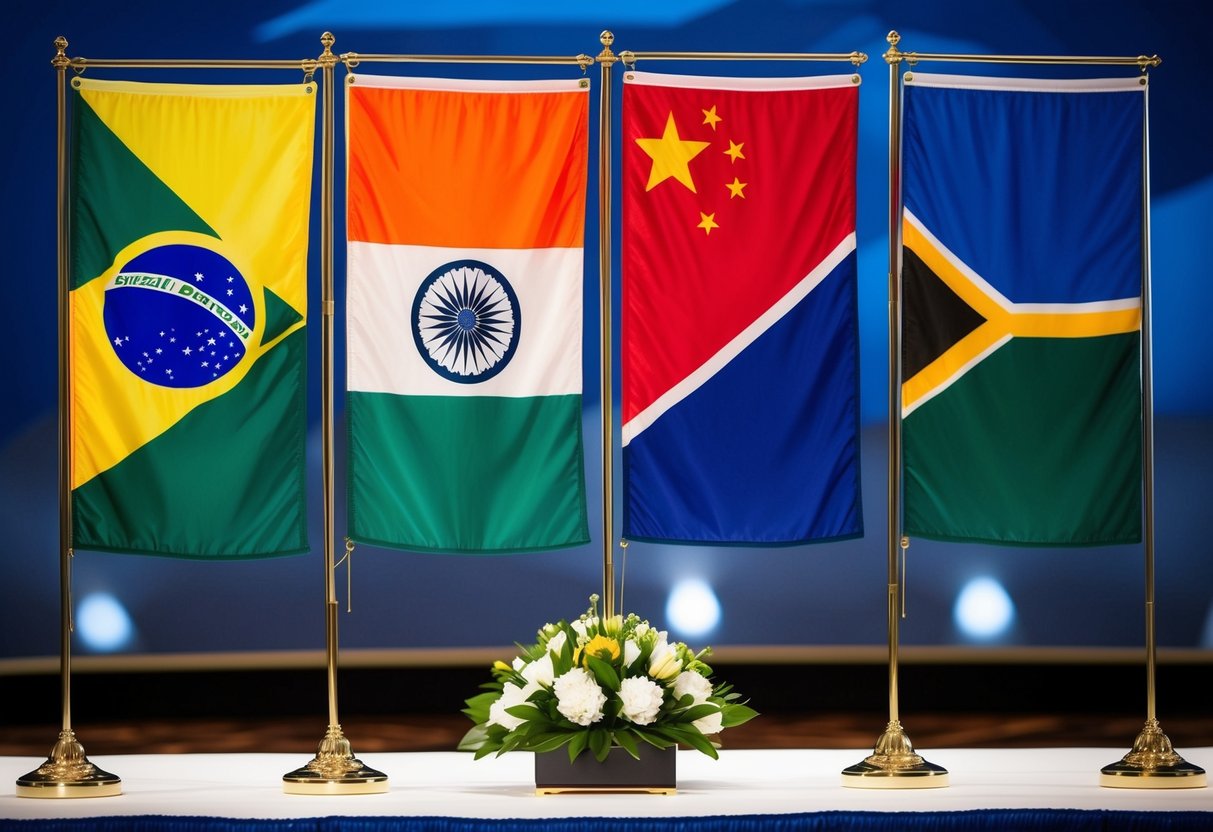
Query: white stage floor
{"x": 742, "y": 782}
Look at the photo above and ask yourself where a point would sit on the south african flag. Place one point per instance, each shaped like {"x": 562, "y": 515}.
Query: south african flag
{"x": 1022, "y": 273}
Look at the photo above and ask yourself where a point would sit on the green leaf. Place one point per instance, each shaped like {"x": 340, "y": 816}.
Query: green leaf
{"x": 627, "y": 742}
{"x": 692, "y": 714}
{"x": 603, "y": 672}
{"x": 511, "y": 741}
{"x": 524, "y": 711}
{"x": 474, "y": 739}
{"x": 478, "y": 706}
{"x": 734, "y": 714}
{"x": 548, "y": 742}
{"x": 484, "y": 751}
{"x": 578, "y": 744}
{"x": 689, "y": 735}
{"x": 653, "y": 739}
{"x": 600, "y": 743}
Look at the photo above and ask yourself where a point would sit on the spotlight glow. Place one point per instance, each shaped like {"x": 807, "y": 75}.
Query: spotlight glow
{"x": 983, "y": 609}
{"x": 103, "y": 623}
{"x": 692, "y": 608}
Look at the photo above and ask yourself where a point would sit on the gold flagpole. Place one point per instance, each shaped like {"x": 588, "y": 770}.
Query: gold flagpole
{"x": 67, "y": 771}
{"x": 1152, "y": 762}
{"x": 334, "y": 769}
{"x": 606, "y": 60}
{"x": 68, "y": 767}
{"x": 893, "y": 764}
{"x": 629, "y": 59}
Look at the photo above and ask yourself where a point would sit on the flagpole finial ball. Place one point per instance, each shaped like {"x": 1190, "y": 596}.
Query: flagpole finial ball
{"x": 893, "y": 38}
{"x": 606, "y": 38}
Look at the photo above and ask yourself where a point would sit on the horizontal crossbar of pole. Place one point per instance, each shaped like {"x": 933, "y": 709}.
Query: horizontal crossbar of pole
{"x": 630, "y": 58}
{"x": 81, "y": 64}
{"x": 1142, "y": 61}
{"x": 353, "y": 59}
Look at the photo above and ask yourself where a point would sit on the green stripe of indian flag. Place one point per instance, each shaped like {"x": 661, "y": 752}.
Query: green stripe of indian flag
{"x": 383, "y": 357}
{"x": 473, "y": 474}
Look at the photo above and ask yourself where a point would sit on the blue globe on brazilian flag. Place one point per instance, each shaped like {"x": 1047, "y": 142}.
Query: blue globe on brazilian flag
{"x": 187, "y": 374}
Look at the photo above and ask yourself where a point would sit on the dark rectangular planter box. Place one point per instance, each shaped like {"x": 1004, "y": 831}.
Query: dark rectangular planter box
{"x": 619, "y": 772}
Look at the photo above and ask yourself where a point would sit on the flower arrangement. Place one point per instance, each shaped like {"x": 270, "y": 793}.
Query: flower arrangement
{"x": 593, "y": 684}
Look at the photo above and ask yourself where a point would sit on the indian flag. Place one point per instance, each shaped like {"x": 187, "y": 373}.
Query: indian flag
{"x": 465, "y": 225}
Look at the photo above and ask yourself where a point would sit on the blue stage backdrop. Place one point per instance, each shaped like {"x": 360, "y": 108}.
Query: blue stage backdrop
{"x": 826, "y": 594}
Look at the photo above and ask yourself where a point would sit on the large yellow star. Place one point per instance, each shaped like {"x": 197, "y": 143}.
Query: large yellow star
{"x": 671, "y": 156}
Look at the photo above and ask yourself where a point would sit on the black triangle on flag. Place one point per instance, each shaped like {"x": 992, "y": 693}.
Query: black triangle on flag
{"x": 933, "y": 317}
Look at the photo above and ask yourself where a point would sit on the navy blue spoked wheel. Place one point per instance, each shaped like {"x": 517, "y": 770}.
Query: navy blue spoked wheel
{"x": 466, "y": 321}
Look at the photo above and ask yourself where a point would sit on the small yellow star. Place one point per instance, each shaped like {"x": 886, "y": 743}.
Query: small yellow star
{"x": 707, "y": 222}
{"x": 735, "y": 188}
{"x": 710, "y": 118}
{"x": 671, "y": 156}
{"x": 734, "y": 151}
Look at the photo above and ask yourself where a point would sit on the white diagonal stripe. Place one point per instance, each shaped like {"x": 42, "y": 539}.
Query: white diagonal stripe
{"x": 638, "y": 423}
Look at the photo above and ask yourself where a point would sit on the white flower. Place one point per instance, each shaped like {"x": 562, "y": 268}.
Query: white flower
{"x": 689, "y": 681}
{"x": 663, "y": 661}
{"x": 710, "y": 724}
{"x": 518, "y": 663}
{"x": 631, "y": 652}
{"x": 578, "y": 697}
{"x": 556, "y": 642}
{"x": 539, "y": 672}
{"x": 511, "y": 695}
{"x": 642, "y": 628}
{"x": 641, "y": 699}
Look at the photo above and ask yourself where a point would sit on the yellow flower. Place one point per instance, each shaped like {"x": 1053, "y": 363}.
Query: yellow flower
{"x": 500, "y": 665}
{"x": 604, "y": 648}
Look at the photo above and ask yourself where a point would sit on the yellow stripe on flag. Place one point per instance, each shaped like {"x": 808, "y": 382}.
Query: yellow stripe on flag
{"x": 1003, "y": 319}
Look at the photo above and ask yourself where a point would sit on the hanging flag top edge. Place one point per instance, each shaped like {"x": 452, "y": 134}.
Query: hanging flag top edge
{"x": 1011, "y": 84}
{"x": 542, "y": 85}
{"x": 196, "y": 90}
{"x": 715, "y": 82}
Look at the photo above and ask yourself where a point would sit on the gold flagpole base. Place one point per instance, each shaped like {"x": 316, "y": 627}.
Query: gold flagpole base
{"x": 334, "y": 770}
{"x": 68, "y": 773}
{"x": 1152, "y": 764}
{"x": 894, "y": 765}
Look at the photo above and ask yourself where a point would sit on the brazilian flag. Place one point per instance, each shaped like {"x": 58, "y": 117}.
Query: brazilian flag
{"x": 1023, "y": 234}
{"x": 189, "y": 228}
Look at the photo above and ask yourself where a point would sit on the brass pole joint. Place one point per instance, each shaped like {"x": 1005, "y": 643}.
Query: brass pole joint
{"x": 60, "y": 61}
{"x": 327, "y": 59}
{"x": 858, "y": 58}
{"x": 584, "y": 61}
{"x": 606, "y": 56}
{"x": 893, "y": 55}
